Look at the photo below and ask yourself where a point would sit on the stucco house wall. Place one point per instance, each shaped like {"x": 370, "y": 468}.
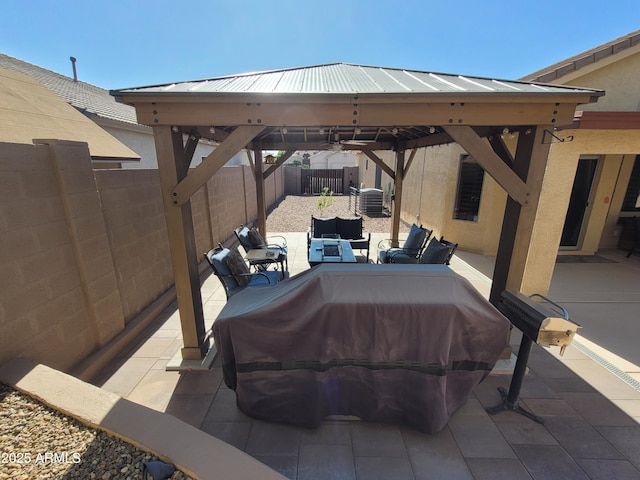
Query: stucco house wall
{"x": 428, "y": 200}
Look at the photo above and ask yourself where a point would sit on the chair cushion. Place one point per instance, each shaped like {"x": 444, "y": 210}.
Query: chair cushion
{"x": 385, "y": 256}
{"x": 415, "y": 239}
{"x": 255, "y": 239}
{"x": 321, "y": 226}
{"x": 349, "y": 228}
{"x": 435, "y": 252}
{"x": 243, "y": 237}
{"x": 261, "y": 278}
{"x": 402, "y": 257}
{"x": 237, "y": 267}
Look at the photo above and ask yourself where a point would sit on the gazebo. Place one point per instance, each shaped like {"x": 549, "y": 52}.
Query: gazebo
{"x": 350, "y": 107}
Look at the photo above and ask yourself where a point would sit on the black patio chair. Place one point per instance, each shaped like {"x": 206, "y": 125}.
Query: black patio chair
{"x": 436, "y": 252}
{"x": 250, "y": 239}
{"x": 232, "y": 271}
{"x": 411, "y": 248}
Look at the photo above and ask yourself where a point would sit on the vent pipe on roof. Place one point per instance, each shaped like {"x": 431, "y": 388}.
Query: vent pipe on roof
{"x": 75, "y": 72}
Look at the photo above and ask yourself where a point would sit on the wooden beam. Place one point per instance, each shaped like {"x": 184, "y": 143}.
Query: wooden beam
{"x": 498, "y": 145}
{"x": 190, "y": 148}
{"x": 490, "y": 112}
{"x": 252, "y": 164}
{"x": 514, "y": 247}
{"x": 378, "y": 161}
{"x": 260, "y": 196}
{"x": 272, "y": 168}
{"x": 491, "y": 162}
{"x": 412, "y": 155}
{"x": 182, "y": 245}
{"x": 235, "y": 142}
{"x": 397, "y": 202}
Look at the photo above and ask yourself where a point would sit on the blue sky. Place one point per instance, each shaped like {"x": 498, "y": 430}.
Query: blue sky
{"x": 126, "y": 43}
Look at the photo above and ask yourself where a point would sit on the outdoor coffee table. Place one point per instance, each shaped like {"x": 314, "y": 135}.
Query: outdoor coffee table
{"x": 330, "y": 250}
{"x": 263, "y": 257}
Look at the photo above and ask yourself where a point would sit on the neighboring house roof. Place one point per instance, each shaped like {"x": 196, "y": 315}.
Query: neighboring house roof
{"x": 87, "y": 98}
{"x": 29, "y": 111}
{"x": 575, "y": 63}
{"x": 343, "y": 78}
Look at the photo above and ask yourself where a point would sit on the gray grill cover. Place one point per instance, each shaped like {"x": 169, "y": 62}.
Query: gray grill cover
{"x": 386, "y": 343}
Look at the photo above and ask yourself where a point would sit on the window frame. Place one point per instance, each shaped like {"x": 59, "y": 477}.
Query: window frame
{"x": 472, "y": 187}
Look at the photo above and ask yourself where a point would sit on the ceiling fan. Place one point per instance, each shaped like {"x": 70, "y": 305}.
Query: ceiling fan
{"x": 336, "y": 143}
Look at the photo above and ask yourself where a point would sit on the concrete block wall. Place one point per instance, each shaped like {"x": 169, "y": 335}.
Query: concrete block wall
{"x": 58, "y": 298}
{"x": 84, "y": 251}
{"x": 134, "y": 216}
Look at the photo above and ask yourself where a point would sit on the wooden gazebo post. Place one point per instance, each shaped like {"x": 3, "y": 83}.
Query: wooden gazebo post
{"x": 173, "y": 167}
{"x": 397, "y": 199}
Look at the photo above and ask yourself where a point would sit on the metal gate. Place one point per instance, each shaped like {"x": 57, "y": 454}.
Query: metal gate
{"x": 315, "y": 180}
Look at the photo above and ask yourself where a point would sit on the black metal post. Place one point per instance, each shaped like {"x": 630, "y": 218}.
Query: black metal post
{"x": 510, "y": 400}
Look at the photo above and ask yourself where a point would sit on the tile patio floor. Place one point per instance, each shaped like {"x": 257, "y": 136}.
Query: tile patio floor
{"x": 588, "y": 397}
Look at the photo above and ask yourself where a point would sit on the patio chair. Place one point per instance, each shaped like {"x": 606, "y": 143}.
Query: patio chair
{"x": 438, "y": 251}
{"x": 636, "y": 224}
{"x": 411, "y": 248}
{"x": 233, "y": 272}
{"x": 250, "y": 239}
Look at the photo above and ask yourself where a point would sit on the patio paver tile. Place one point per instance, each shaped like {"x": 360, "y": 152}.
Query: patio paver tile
{"x": 328, "y": 433}
{"x": 479, "y": 437}
{"x": 224, "y": 408}
{"x": 273, "y": 439}
{"x": 383, "y": 468}
{"x": 580, "y": 439}
{"x": 435, "y": 456}
{"x": 626, "y": 440}
{"x": 377, "y": 440}
{"x": 614, "y": 469}
{"x": 191, "y": 409}
{"x": 598, "y": 410}
{"x": 326, "y": 462}
{"x": 155, "y": 389}
{"x": 153, "y": 347}
{"x": 234, "y": 433}
{"x": 287, "y": 466}
{"x": 497, "y": 469}
{"x": 129, "y": 374}
{"x": 197, "y": 382}
{"x": 547, "y": 461}
{"x": 529, "y": 433}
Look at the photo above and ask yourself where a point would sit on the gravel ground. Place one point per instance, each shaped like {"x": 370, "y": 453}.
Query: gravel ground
{"x": 293, "y": 214}
{"x": 38, "y": 442}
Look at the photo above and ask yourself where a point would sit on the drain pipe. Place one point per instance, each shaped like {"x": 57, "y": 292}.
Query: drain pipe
{"x": 75, "y": 72}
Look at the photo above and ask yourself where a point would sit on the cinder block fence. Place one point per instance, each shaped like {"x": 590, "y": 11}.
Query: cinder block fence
{"x": 83, "y": 252}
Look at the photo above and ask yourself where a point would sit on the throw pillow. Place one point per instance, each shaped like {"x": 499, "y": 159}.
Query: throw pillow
{"x": 237, "y": 267}
{"x": 435, "y": 252}
{"x": 256, "y": 239}
{"x": 349, "y": 228}
{"x": 415, "y": 239}
{"x": 323, "y": 226}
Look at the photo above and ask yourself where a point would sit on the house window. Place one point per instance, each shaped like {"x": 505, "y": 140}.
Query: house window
{"x": 631, "y": 201}
{"x": 470, "y": 181}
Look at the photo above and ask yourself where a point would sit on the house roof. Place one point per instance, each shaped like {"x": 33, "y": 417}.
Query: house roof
{"x": 87, "y": 98}
{"x": 30, "y": 111}
{"x": 575, "y": 63}
{"x": 344, "y": 78}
